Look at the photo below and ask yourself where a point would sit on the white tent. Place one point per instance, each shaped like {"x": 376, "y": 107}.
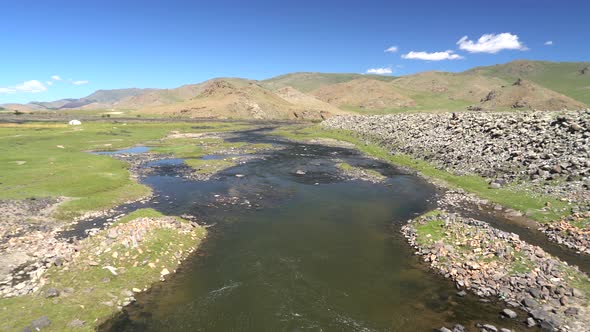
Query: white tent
{"x": 74, "y": 123}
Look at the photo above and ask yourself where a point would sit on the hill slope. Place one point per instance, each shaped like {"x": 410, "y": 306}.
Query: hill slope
{"x": 523, "y": 94}
{"x": 236, "y": 98}
{"x": 363, "y": 94}
{"x": 569, "y": 78}
{"x": 307, "y": 82}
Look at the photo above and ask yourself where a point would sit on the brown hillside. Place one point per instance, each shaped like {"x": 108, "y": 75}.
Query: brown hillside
{"x": 469, "y": 87}
{"x": 236, "y": 98}
{"x": 160, "y": 97}
{"x": 364, "y": 93}
{"x": 523, "y": 94}
{"x": 306, "y": 101}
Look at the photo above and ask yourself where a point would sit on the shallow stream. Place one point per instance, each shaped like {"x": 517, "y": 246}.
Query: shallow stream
{"x": 300, "y": 252}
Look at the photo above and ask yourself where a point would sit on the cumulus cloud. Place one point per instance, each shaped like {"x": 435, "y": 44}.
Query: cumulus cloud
{"x": 32, "y": 86}
{"x": 50, "y": 83}
{"x": 56, "y": 78}
{"x": 79, "y": 82}
{"x": 549, "y": 43}
{"x": 491, "y": 43}
{"x": 391, "y": 49}
{"x": 435, "y": 56}
{"x": 380, "y": 71}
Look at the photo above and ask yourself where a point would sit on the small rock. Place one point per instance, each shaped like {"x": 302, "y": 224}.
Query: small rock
{"x": 571, "y": 311}
{"x": 111, "y": 269}
{"x": 51, "y": 292}
{"x": 458, "y": 328}
{"x": 112, "y": 234}
{"x": 489, "y": 328}
{"x": 495, "y": 185}
{"x": 529, "y": 303}
{"x": 40, "y": 323}
{"x": 76, "y": 323}
{"x": 164, "y": 272}
{"x": 509, "y": 313}
{"x": 530, "y": 322}
{"x": 58, "y": 261}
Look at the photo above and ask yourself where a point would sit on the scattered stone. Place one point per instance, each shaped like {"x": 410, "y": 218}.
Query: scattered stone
{"x": 530, "y": 322}
{"x": 76, "y": 323}
{"x": 467, "y": 253}
{"x": 489, "y": 328}
{"x": 111, "y": 269}
{"x": 51, "y": 292}
{"x": 508, "y": 313}
{"x": 40, "y": 323}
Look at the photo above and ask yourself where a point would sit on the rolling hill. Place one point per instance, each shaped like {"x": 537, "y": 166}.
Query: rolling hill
{"x": 363, "y": 94}
{"x": 239, "y": 98}
{"x": 523, "y": 94}
{"x": 542, "y": 85}
{"x": 307, "y": 82}
{"x": 569, "y": 78}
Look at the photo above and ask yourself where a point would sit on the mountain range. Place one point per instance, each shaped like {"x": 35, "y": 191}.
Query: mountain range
{"x": 517, "y": 85}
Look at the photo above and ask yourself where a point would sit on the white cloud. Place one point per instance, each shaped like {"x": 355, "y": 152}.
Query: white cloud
{"x": 435, "y": 56}
{"x": 549, "y": 43}
{"x": 32, "y": 86}
{"x": 391, "y": 49}
{"x": 380, "y": 71}
{"x": 50, "y": 83}
{"x": 79, "y": 82}
{"x": 56, "y": 78}
{"x": 491, "y": 43}
{"x": 7, "y": 90}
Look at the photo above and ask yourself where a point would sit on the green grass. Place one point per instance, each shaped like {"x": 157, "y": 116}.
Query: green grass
{"x": 51, "y": 160}
{"x": 431, "y": 231}
{"x": 93, "y": 286}
{"x": 429, "y": 102}
{"x": 524, "y": 201}
{"x": 521, "y": 264}
{"x": 140, "y": 213}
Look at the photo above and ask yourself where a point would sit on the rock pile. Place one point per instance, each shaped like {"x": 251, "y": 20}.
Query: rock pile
{"x": 494, "y": 263}
{"x": 537, "y": 146}
{"x": 28, "y": 244}
{"x": 573, "y": 231}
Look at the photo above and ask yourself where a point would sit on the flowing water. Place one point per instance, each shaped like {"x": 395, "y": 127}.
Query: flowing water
{"x": 289, "y": 252}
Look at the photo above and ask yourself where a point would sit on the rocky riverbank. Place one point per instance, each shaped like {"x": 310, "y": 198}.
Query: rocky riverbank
{"x": 572, "y": 231}
{"x": 533, "y": 146}
{"x": 493, "y": 263}
{"x": 90, "y": 279}
{"x": 541, "y": 153}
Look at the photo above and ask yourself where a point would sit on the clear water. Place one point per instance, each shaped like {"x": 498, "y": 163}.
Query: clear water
{"x": 301, "y": 253}
{"x": 135, "y": 149}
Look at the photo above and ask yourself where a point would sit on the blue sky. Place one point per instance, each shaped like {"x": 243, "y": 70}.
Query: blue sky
{"x": 106, "y": 44}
